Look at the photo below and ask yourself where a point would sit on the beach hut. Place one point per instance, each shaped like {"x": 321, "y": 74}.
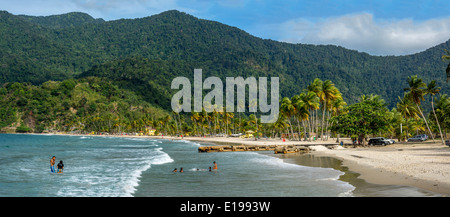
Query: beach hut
{"x": 249, "y": 133}
{"x": 150, "y": 131}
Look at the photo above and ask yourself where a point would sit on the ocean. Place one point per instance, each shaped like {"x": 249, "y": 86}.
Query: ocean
{"x": 96, "y": 166}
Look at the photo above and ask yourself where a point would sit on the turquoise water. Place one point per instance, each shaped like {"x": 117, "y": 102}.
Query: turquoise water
{"x": 115, "y": 167}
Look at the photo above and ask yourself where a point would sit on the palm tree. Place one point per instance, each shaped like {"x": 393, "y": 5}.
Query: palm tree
{"x": 280, "y": 124}
{"x": 337, "y": 106}
{"x": 329, "y": 93}
{"x": 287, "y": 110}
{"x": 443, "y": 110}
{"x": 316, "y": 87}
{"x": 407, "y": 109}
{"x": 376, "y": 100}
{"x": 166, "y": 121}
{"x": 417, "y": 92}
{"x": 416, "y": 125}
{"x": 395, "y": 127}
{"x": 195, "y": 117}
{"x": 301, "y": 113}
{"x": 205, "y": 117}
{"x": 311, "y": 101}
{"x": 432, "y": 89}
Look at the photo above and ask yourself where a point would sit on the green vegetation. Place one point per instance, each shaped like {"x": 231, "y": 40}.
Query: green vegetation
{"x": 368, "y": 117}
{"x": 86, "y": 105}
{"x": 447, "y": 57}
{"x": 74, "y": 73}
{"x": 38, "y": 49}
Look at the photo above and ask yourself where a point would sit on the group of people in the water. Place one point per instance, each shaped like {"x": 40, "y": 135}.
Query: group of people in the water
{"x": 214, "y": 168}
{"x": 52, "y": 165}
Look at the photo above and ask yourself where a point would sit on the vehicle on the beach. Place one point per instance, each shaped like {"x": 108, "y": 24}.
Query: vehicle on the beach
{"x": 419, "y": 138}
{"x": 447, "y": 143}
{"x": 390, "y": 141}
{"x": 378, "y": 141}
{"x": 424, "y": 136}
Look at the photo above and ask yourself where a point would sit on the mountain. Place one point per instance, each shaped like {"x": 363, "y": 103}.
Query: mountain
{"x": 62, "y": 21}
{"x": 145, "y": 54}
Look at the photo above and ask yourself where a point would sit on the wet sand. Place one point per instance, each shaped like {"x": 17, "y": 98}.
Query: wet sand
{"x": 363, "y": 188}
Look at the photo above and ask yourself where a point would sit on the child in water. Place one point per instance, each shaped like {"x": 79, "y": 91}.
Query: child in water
{"x": 60, "y": 167}
{"x": 215, "y": 166}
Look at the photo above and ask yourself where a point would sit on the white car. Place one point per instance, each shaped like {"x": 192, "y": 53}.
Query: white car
{"x": 390, "y": 141}
{"x": 417, "y": 138}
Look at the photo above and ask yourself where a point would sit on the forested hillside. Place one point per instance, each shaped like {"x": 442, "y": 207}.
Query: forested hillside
{"x": 145, "y": 54}
{"x": 88, "y": 104}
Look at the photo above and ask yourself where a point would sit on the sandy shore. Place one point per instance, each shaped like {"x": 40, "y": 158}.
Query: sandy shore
{"x": 423, "y": 165}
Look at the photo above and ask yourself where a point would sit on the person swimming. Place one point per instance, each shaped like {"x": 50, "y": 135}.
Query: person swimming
{"x": 174, "y": 170}
{"x": 181, "y": 170}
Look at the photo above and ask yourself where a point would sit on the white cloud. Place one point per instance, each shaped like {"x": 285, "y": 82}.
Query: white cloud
{"x": 363, "y": 33}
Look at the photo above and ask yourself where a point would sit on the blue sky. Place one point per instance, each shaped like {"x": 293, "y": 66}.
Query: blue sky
{"x": 382, "y": 27}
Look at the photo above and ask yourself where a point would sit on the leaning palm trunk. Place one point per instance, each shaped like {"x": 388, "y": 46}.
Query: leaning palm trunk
{"x": 328, "y": 120}
{"x": 323, "y": 120}
{"x": 440, "y": 131}
{"x": 426, "y": 123}
{"x": 292, "y": 130}
{"x": 304, "y": 129}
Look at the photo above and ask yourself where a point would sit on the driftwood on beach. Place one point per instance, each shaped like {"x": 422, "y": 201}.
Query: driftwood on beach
{"x": 278, "y": 149}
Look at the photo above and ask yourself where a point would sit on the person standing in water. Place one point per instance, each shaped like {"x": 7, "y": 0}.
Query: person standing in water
{"x": 215, "y": 166}
{"x": 60, "y": 167}
{"x": 52, "y": 164}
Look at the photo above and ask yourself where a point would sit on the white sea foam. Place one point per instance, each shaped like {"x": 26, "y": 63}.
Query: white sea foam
{"x": 111, "y": 171}
{"x": 189, "y": 142}
{"x": 131, "y": 184}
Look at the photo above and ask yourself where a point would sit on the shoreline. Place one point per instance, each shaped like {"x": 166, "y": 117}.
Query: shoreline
{"x": 406, "y": 165}
{"x": 422, "y": 165}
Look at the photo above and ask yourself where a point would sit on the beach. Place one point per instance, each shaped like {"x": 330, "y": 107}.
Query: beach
{"x": 426, "y": 166}
{"x": 423, "y": 165}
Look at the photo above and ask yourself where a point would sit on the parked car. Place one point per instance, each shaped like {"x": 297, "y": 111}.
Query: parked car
{"x": 378, "y": 141}
{"x": 447, "y": 143}
{"x": 424, "y": 136}
{"x": 419, "y": 138}
{"x": 237, "y": 135}
{"x": 390, "y": 141}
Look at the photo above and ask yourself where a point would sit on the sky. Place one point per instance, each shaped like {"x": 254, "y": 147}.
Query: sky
{"x": 378, "y": 27}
